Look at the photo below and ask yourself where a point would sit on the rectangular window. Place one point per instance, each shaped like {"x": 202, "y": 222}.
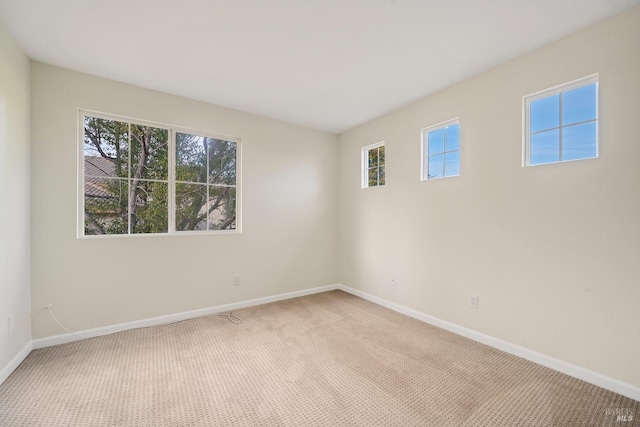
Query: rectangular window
{"x": 205, "y": 183}
{"x": 561, "y": 123}
{"x": 373, "y": 165}
{"x": 144, "y": 178}
{"x": 441, "y": 150}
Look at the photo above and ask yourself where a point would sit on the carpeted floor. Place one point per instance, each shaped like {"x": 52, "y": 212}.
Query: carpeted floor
{"x": 329, "y": 359}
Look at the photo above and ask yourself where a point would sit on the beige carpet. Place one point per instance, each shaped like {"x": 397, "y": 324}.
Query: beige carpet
{"x": 330, "y": 359}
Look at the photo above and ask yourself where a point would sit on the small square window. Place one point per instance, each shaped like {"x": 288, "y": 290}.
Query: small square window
{"x": 561, "y": 123}
{"x": 373, "y": 160}
{"x": 441, "y": 150}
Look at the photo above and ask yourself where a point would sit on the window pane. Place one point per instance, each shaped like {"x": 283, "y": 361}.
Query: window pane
{"x": 545, "y": 147}
{"x": 105, "y": 206}
{"x": 579, "y": 105}
{"x": 98, "y": 166}
{"x": 191, "y": 207}
{"x": 381, "y": 176}
{"x": 436, "y": 166}
{"x": 452, "y": 137}
{"x": 222, "y": 208}
{"x": 191, "y": 158}
{"x": 373, "y": 157}
{"x": 150, "y": 212}
{"x": 106, "y": 147}
{"x": 545, "y": 113}
{"x": 436, "y": 141}
{"x": 149, "y": 152}
{"x": 373, "y": 177}
{"x": 452, "y": 163}
{"x": 222, "y": 161}
{"x": 381, "y": 155}
{"x": 579, "y": 142}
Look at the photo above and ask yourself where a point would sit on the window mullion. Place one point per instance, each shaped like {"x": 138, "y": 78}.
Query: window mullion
{"x": 528, "y": 133}
{"x": 378, "y": 167}
{"x": 560, "y": 125}
{"x": 444, "y": 164}
{"x": 129, "y": 181}
{"x": 206, "y": 177}
{"x": 444, "y": 150}
{"x": 171, "y": 190}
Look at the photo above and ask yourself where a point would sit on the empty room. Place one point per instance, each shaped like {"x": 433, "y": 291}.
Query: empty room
{"x": 294, "y": 213}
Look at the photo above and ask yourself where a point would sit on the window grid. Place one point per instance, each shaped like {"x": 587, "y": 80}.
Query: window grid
{"x": 209, "y": 187}
{"x": 125, "y": 193}
{"x": 129, "y": 178}
{"x": 427, "y": 155}
{"x": 373, "y": 165}
{"x": 560, "y": 91}
{"x": 375, "y": 168}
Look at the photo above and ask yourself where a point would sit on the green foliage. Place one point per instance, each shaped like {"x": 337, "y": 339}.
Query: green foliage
{"x": 152, "y": 208}
{"x": 126, "y": 179}
{"x": 206, "y": 179}
{"x": 190, "y": 201}
{"x": 110, "y": 140}
{"x": 149, "y": 153}
{"x": 107, "y": 215}
{"x": 375, "y": 161}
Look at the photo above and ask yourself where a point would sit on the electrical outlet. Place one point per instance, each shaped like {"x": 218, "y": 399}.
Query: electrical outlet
{"x": 11, "y": 324}
{"x": 473, "y": 301}
{"x": 393, "y": 281}
{"x": 236, "y": 280}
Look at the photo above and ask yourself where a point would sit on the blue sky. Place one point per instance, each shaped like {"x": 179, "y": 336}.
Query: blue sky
{"x": 444, "y": 152}
{"x": 568, "y": 120}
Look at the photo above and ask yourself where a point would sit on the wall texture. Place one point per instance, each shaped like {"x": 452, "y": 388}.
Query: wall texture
{"x": 289, "y": 201}
{"x": 552, "y": 251}
{"x": 14, "y": 199}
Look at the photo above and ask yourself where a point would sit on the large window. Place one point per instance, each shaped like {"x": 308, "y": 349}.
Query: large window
{"x": 441, "y": 150}
{"x": 373, "y": 165}
{"x": 561, "y": 123}
{"x": 144, "y": 178}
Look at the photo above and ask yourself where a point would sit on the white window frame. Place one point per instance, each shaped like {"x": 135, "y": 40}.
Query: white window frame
{"x": 555, "y": 90}
{"x": 424, "y": 148}
{"x": 171, "y": 181}
{"x": 364, "y": 167}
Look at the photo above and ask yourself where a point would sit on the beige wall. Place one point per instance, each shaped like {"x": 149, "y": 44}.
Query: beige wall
{"x": 14, "y": 199}
{"x": 552, "y": 251}
{"x": 289, "y": 200}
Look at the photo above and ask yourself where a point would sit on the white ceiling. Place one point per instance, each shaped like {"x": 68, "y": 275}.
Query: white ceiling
{"x": 325, "y": 64}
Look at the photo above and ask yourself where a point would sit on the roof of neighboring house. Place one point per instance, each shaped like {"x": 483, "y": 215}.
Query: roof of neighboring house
{"x": 96, "y": 168}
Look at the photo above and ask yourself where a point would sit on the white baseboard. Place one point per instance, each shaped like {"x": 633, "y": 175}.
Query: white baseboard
{"x": 15, "y": 362}
{"x": 176, "y": 317}
{"x": 575, "y": 371}
{"x": 595, "y": 378}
